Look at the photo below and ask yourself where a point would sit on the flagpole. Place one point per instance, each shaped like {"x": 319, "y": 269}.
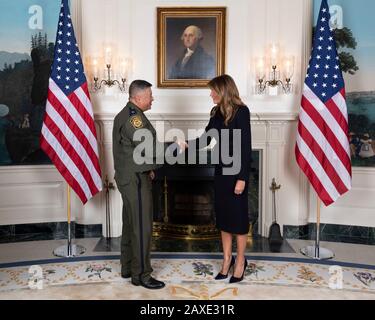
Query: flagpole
{"x": 316, "y": 252}
{"x": 317, "y": 238}
{"x": 69, "y": 250}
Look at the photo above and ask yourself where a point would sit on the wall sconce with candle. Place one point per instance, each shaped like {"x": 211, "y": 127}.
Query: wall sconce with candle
{"x": 273, "y": 82}
{"x": 124, "y": 66}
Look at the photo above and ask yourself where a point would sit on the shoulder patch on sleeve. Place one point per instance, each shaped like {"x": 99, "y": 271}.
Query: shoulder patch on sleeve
{"x": 136, "y": 122}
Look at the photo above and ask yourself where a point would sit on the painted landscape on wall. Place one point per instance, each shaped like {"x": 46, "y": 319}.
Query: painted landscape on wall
{"x": 354, "y": 26}
{"x": 27, "y": 36}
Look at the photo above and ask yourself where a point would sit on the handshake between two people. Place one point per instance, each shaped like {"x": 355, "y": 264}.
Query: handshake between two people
{"x": 182, "y": 146}
{"x": 240, "y": 184}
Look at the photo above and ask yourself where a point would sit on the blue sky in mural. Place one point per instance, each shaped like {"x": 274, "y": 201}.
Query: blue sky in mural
{"x": 16, "y": 23}
{"x": 358, "y": 16}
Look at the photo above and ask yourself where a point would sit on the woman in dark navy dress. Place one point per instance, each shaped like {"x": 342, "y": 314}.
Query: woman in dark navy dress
{"x": 231, "y": 190}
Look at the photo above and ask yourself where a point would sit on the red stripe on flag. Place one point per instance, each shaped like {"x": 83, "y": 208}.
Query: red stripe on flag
{"x": 69, "y": 149}
{"x": 314, "y": 180}
{"x": 62, "y": 169}
{"x": 327, "y": 132}
{"x": 55, "y": 103}
{"x": 343, "y": 92}
{"x": 83, "y": 112}
{"x": 337, "y": 114}
{"x": 321, "y": 157}
{"x": 86, "y": 90}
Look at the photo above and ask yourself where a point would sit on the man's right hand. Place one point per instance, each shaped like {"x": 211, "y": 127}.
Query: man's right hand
{"x": 182, "y": 145}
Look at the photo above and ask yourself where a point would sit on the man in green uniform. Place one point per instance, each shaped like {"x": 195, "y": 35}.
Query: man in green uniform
{"x": 134, "y": 181}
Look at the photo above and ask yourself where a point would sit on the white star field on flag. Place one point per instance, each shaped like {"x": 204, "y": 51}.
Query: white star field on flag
{"x": 67, "y": 69}
{"x": 323, "y": 74}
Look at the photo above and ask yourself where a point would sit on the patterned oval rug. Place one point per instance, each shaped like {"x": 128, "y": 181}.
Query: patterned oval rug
{"x": 190, "y": 277}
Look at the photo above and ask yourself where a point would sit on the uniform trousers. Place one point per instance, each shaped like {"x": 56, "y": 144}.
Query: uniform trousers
{"x": 137, "y": 218}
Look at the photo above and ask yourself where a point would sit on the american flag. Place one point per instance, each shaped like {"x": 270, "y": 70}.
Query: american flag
{"x": 68, "y": 133}
{"x": 322, "y": 148}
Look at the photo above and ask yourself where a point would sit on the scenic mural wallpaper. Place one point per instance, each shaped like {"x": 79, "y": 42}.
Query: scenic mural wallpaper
{"x": 27, "y": 36}
{"x": 354, "y": 26}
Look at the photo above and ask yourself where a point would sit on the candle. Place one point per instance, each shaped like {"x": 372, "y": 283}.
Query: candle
{"x": 288, "y": 67}
{"x": 274, "y": 55}
{"x": 108, "y": 56}
{"x": 260, "y": 68}
{"x": 95, "y": 68}
{"x": 123, "y": 68}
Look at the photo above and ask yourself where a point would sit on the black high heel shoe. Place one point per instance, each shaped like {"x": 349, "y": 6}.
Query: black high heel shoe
{"x": 221, "y": 276}
{"x": 234, "y": 279}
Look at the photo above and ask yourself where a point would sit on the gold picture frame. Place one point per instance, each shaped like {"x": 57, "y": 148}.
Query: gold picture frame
{"x": 178, "y": 65}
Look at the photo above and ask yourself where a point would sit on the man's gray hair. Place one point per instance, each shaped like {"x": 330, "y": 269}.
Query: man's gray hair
{"x": 198, "y": 32}
{"x": 138, "y": 85}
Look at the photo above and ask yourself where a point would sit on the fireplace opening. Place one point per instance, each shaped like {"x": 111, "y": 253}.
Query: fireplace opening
{"x": 183, "y": 196}
{"x": 191, "y": 202}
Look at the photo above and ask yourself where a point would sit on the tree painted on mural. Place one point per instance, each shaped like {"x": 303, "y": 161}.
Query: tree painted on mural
{"x": 345, "y": 40}
{"x": 24, "y": 88}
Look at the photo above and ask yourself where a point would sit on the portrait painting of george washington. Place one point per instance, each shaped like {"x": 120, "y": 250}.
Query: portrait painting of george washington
{"x": 191, "y": 46}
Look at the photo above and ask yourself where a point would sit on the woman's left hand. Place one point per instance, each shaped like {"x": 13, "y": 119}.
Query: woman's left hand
{"x": 240, "y": 186}
{"x": 151, "y": 174}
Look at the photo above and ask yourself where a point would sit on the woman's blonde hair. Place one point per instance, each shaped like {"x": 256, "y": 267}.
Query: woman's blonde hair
{"x": 230, "y": 100}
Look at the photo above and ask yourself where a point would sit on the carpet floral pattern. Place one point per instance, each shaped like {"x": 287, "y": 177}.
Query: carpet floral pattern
{"x": 190, "y": 277}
